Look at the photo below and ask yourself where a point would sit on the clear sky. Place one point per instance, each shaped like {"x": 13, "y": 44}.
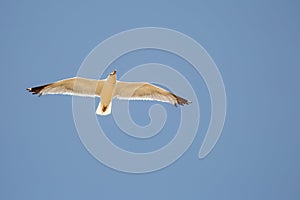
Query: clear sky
{"x": 255, "y": 45}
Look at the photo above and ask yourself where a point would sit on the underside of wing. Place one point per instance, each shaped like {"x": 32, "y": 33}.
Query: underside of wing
{"x": 146, "y": 91}
{"x": 73, "y": 86}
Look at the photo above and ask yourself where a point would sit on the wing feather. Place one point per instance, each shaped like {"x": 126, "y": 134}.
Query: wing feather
{"x": 72, "y": 86}
{"x": 146, "y": 91}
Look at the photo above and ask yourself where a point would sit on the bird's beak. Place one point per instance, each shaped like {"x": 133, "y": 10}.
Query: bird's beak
{"x": 114, "y": 73}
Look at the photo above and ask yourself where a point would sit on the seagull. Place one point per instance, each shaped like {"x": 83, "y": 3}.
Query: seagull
{"x": 108, "y": 89}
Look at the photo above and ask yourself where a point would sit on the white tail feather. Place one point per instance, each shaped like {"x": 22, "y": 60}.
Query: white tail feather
{"x": 103, "y": 109}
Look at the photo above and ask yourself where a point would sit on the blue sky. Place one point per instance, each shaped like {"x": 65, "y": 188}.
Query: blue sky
{"x": 255, "y": 45}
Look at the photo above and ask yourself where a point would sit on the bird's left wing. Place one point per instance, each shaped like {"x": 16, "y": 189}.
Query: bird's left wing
{"x": 73, "y": 86}
{"x": 146, "y": 91}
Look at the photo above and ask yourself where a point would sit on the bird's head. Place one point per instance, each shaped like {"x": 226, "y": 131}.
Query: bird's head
{"x": 112, "y": 77}
{"x": 113, "y": 73}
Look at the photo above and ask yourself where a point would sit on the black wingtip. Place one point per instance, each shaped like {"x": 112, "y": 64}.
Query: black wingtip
{"x": 181, "y": 101}
{"x": 37, "y": 90}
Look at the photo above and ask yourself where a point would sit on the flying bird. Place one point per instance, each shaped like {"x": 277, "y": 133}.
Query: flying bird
{"x": 107, "y": 89}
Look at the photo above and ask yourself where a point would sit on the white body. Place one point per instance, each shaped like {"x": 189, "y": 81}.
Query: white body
{"x": 104, "y": 107}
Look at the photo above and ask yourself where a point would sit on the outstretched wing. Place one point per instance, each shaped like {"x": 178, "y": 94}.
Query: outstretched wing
{"x": 72, "y": 86}
{"x": 146, "y": 91}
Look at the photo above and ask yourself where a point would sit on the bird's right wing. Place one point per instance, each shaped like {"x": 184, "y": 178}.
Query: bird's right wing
{"x": 146, "y": 91}
{"x": 73, "y": 86}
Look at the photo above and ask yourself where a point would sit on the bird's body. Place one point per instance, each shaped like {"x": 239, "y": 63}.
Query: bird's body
{"x": 108, "y": 89}
{"x": 106, "y": 95}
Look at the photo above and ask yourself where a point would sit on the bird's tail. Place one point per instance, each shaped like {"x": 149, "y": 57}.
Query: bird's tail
{"x": 103, "y": 109}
